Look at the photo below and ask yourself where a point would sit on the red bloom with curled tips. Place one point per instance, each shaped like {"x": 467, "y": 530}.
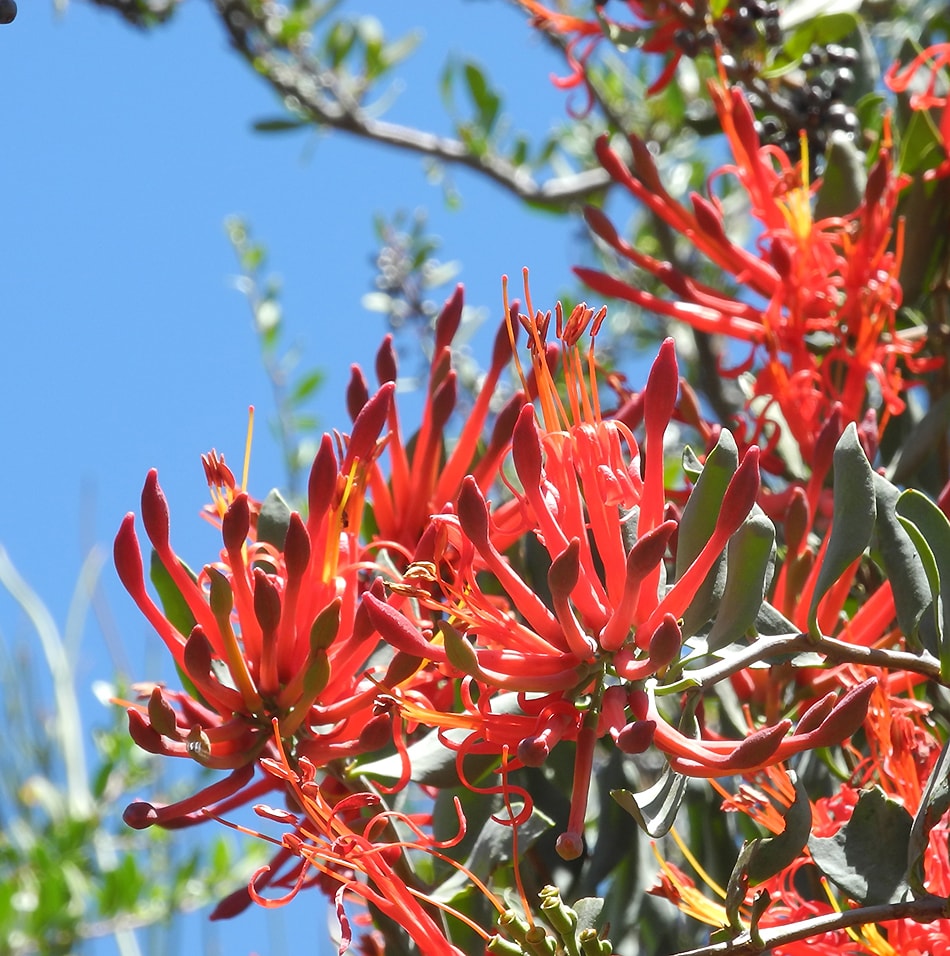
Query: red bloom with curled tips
{"x": 611, "y": 621}
{"x": 268, "y": 631}
{"x": 820, "y": 299}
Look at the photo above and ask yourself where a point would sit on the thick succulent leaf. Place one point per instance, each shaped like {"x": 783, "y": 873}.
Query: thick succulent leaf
{"x": 853, "y": 521}
{"x": 929, "y": 529}
{"x": 697, "y": 525}
{"x": 749, "y": 558}
{"x": 933, "y": 805}
{"x": 655, "y": 808}
{"x": 274, "y": 519}
{"x": 903, "y": 567}
{"x": 867, "y": 857}
{"x": 772, "y": 854}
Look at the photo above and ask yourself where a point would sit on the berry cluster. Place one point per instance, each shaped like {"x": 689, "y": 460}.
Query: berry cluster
{"x": 813, "y": 100}
{"x": 738, "y": 29}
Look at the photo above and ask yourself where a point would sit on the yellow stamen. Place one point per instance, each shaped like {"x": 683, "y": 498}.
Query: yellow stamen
{"x": 247, "y": 446}
{"x": 694, "y": 863}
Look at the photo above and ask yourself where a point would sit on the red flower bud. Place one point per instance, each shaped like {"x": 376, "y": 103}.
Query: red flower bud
{"x": 367, "y": 426}
{"x": 155, "y": 512}
{"x": 526, "y": 448}
{"x": 386, "y": 369}
{"x": 447, "y": 324}
{"x": 322, "y": 483}
{"x": 236, "y": 524}
{"x": 636, "y": 737}
{"x": 473, "y": 512}
{"x": 266, "y": 602}
{"x": 357, "y": 392}
{"x": 665, "y": 643}
{"x": 296, "y": 548}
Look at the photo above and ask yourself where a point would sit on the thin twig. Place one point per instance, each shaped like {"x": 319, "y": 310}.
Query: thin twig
{"x": 924, "y": 910}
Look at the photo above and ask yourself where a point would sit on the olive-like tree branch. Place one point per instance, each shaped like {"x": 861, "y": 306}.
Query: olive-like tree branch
{"x": 924, "y": 910}
{"x": 314, "y": 91}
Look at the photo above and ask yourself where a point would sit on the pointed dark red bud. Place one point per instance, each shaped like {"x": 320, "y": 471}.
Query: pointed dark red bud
{"x": 376, "y": 733}
{"x": 665, "y": 643}
{"x": 296, "y": 547}
{"x": 877, "y": 180}
{"x": 647, "y": 552}
{"x": 162, "y": 715}
{"x": 322, "y": 484}
{"x": 198, "y": 654}
{"x": 526, "y": 448}
{"x": 826, "y": 441}
{"x": 757, "y": 748}
{"x": 709, "y": 218}
{"x": 357, "y": 392}
{"x": 447, "y": 324}
{"x": 639, "y": 703}
{"x": 266, "y": 602}
{"x": 601, "y": 226}
{"x": 362, "y": 625}
{"x": 816, "y": 715}
{"x": 473, "y": 512}
{"x": 636, "y": 737}
{"x": 155, "y": 512}
{"x": 144, "y": 734}
{"x": 236, "y": 524}
{"x": 645, "y": 166}
{"x": 744, "y": 120}
{"x": 505, "y": 422}
{"x": 847, "y": 716}
{"x": 234, "y": 904}
{"x": 781, "y": 257}
{"x": 661, "y": 388}
{"x": 386, "y": 368}
{"x": 368, "y": 424}
{"x": 399, "y": 632}
{"x": 128, "y": 557}
{"x": 565, "y": 570}
{"x": 740, "y": 493}
{"x": 797, "y": 521}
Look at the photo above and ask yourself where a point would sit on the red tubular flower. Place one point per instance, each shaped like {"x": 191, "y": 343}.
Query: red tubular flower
{"x": 837, "y": 278}
{"x": 612, "y": 615}
{"x": 899, "y": 78}
{"x": 351, "y": 845}
{"x": 418, "y": 481}
{"x": 268, "y": 631}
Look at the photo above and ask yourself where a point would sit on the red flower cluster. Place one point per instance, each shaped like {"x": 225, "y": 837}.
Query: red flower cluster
{"x": 819, "y": 300}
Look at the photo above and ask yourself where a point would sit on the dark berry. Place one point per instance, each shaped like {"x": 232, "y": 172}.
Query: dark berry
{"x": 7, "y": 11}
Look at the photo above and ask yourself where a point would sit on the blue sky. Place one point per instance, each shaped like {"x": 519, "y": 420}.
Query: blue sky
{"x": 126, "y": 345}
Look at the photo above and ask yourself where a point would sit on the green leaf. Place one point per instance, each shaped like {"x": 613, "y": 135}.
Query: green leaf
{"x": 273, "y": 520}
{"x": 278, "y": 124}
{"x": 867, "y": 857}
{"x": 903, "y": 567}
{"x": 749, "y": 558}
{"x": 844, "y": 178}
{"x": 773, "y": 854}
{"x": 921, "y": 145}
{"x": 655, "y": 808}
{"x": 933, "y": 805}
{"x": 306, "y": 386}
{"x": 929, "y": 529}
{"x": 697, "y": 525}
{"x": 487, "y": 102}
{"x": 853, "y": 517}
